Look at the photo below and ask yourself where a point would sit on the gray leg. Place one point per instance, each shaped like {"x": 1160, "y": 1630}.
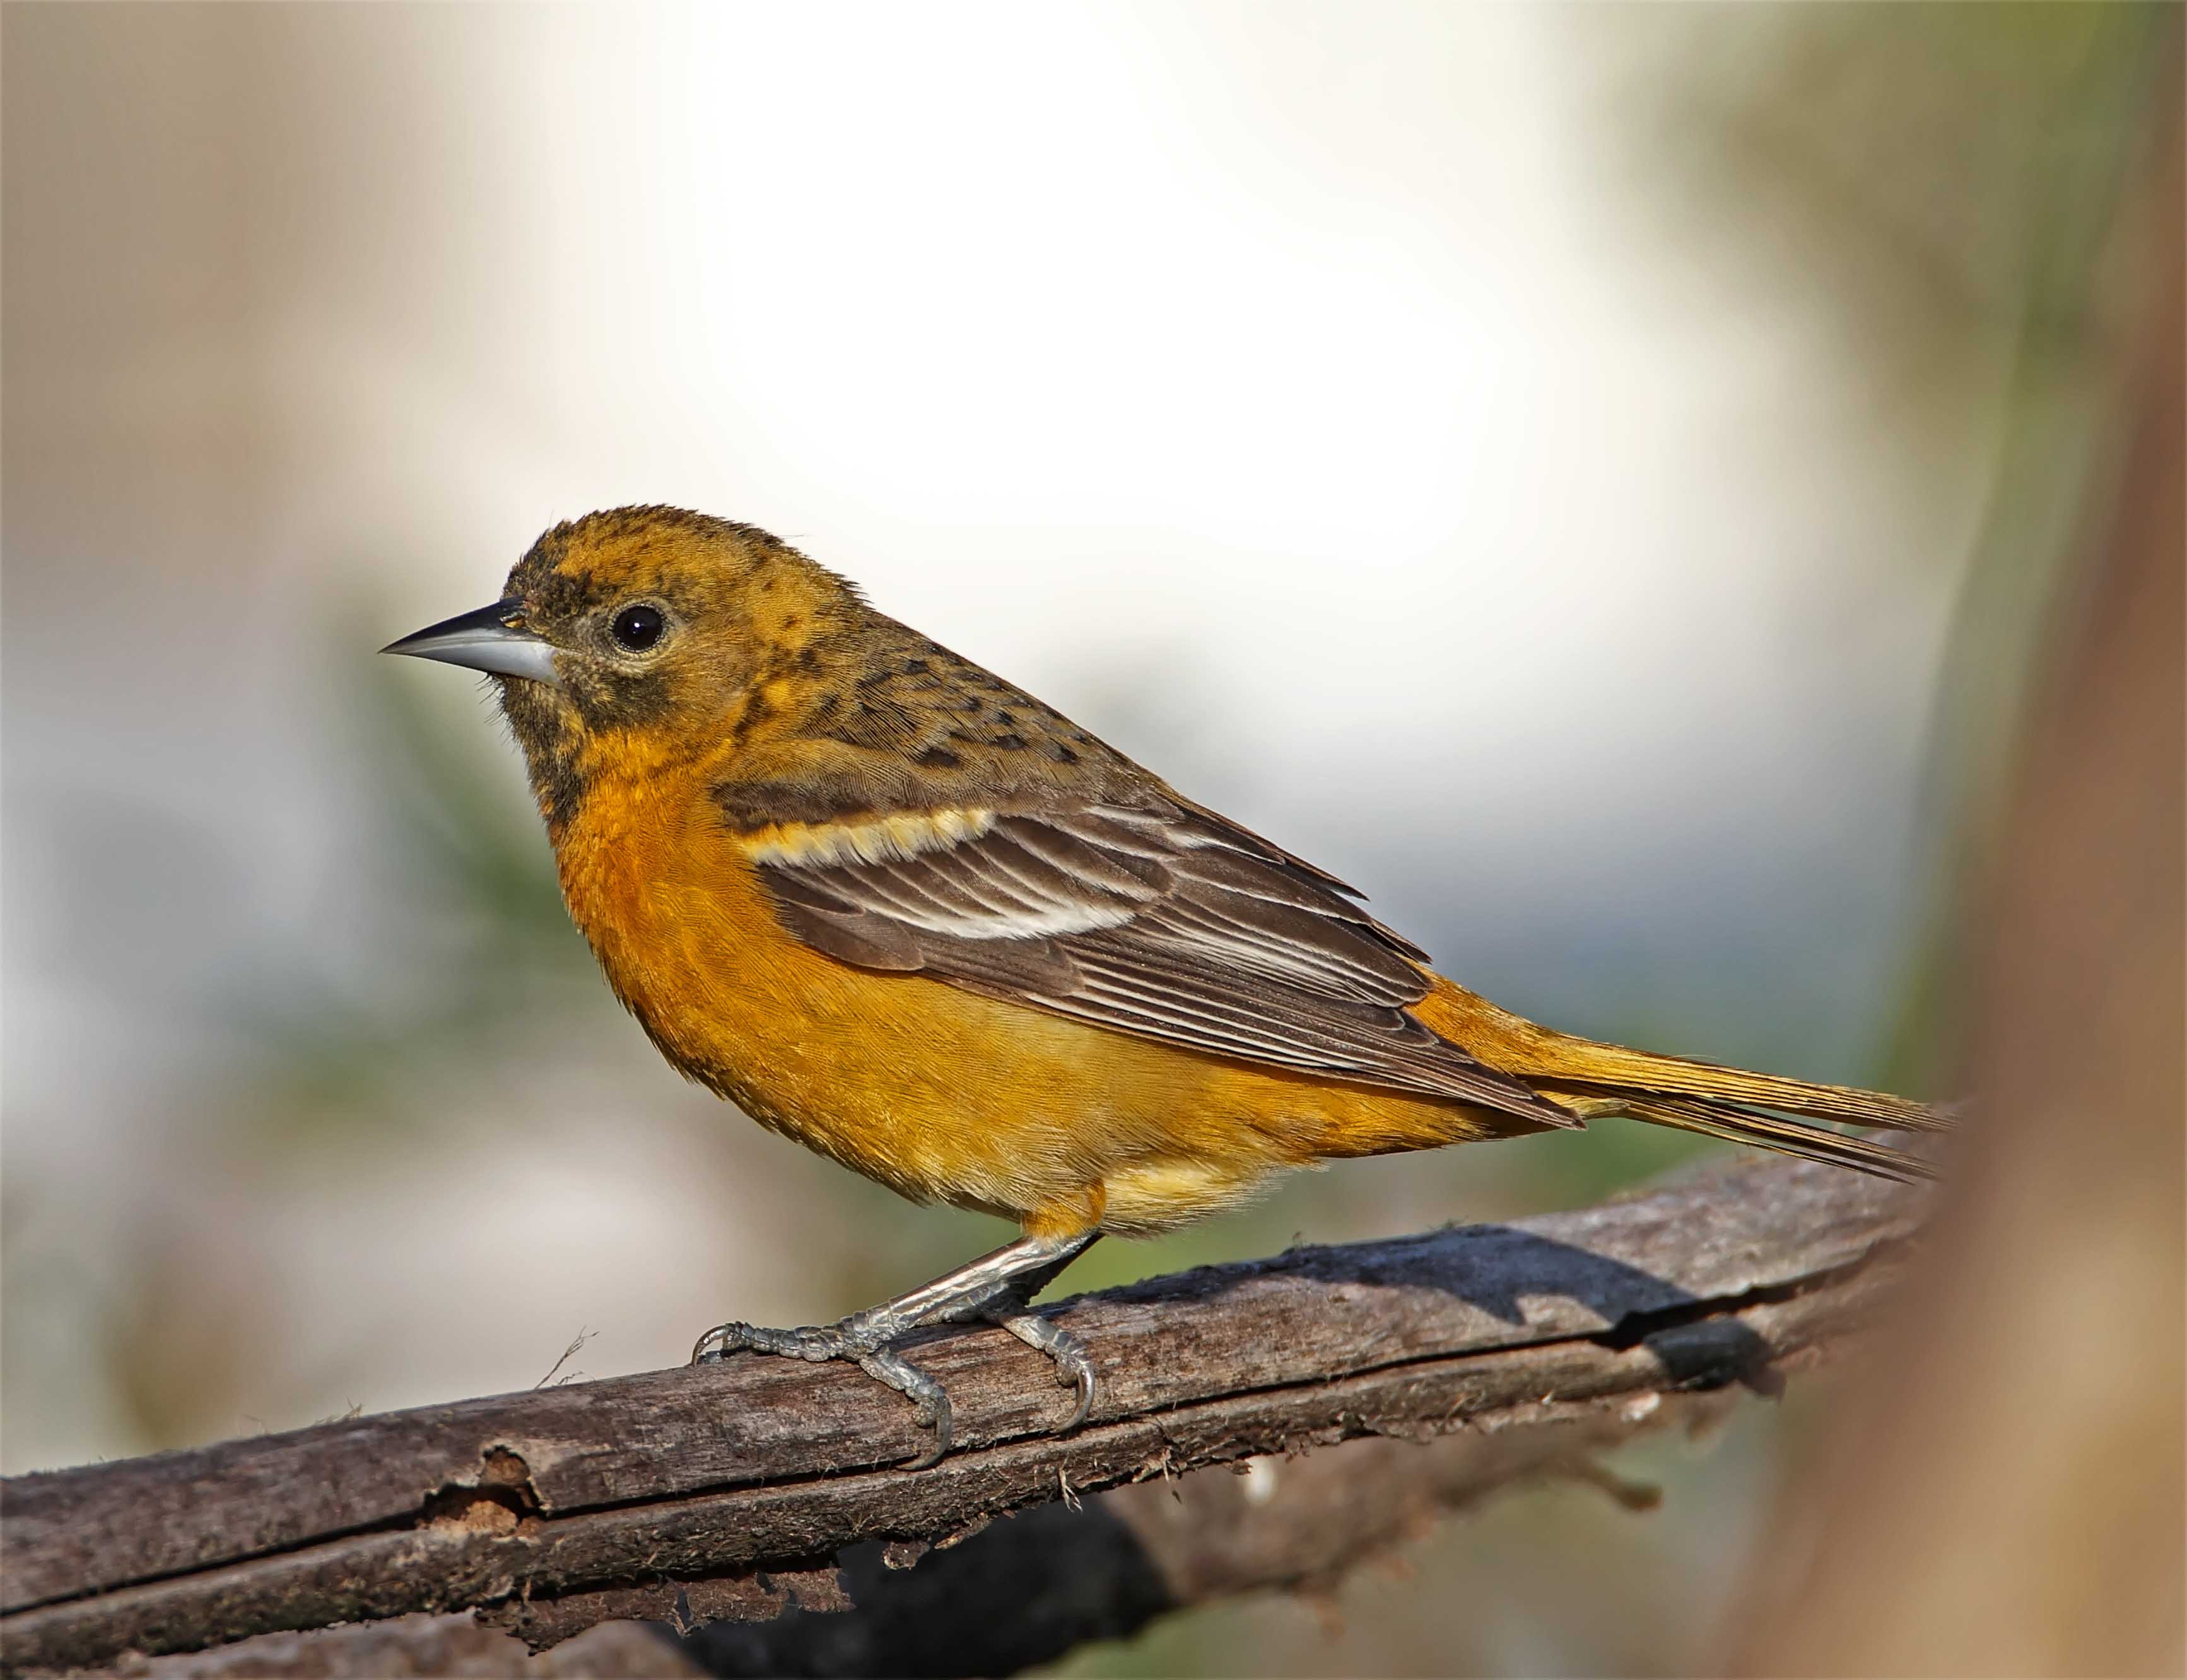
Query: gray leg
{"x": 995, "y": 1287}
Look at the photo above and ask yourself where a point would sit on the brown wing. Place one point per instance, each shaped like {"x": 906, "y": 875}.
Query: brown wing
{"x": 1158, "y": 919}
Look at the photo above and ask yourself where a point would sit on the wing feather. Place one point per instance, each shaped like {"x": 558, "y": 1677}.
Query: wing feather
{"x": 1158, "y": 920}
{"x": 1287, "y": 944}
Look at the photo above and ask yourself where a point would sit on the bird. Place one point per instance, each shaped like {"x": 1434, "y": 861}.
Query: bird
{"x": 894, "y": 907}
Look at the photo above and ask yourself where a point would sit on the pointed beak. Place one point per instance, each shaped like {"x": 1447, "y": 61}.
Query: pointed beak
{"x": 490, "y": 639}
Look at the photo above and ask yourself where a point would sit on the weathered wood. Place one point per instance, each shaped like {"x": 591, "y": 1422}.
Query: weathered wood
{"x": 1024, "y": 1590}
{"x": 770, "y": 1465}
{"x": 1034, "y": 1587}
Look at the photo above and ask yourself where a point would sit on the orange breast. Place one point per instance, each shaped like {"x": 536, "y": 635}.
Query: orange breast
{"x": 938, "y": 1092}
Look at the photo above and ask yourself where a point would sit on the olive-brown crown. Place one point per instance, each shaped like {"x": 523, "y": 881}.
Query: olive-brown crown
{"x": 657, "y": 613}
{"x": 681, "y": 636}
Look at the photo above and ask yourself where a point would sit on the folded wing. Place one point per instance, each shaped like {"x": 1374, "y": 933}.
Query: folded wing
{"x": 1160, "y": 920}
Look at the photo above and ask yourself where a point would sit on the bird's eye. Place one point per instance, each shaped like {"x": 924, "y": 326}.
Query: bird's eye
{"x": 637, "y": 628}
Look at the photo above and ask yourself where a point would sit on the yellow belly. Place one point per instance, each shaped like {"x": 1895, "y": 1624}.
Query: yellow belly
{"x": 937, "y": 1093}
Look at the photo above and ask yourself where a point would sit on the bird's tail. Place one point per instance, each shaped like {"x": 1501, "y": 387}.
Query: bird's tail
{"x": 1774, "y": 1132}
{"x": 1685, "y": 1094}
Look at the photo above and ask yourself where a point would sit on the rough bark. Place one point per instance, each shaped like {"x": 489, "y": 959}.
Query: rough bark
{"x": 728, "y": 1491}
{"x": 1031, "y": 1587}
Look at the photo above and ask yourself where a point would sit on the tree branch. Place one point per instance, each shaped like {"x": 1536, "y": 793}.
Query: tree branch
{"x": 691, "y": 1495}
{"x": 1027, "y": 1588}
{"x": 1034, "y": 1587}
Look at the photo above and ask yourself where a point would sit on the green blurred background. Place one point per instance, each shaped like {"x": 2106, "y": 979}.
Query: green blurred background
{"x": 1595, "y": 478}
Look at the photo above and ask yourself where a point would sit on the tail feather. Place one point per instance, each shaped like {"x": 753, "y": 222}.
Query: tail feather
{"x": 1588, "y": 1063}
{"x": 1687, "y": 1095}
{"x": 1784, "y": 1137}
{"x": 1584, "y": 1069}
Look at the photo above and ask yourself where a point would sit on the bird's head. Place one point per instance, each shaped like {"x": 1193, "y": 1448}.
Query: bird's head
{"x": 629, "y": 637}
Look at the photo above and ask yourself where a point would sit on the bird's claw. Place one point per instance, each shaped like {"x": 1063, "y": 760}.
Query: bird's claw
{"x": 1074, "y": 1365}
{"x": 864, "y": 1345}
{"x": 816, "y": 1342}
{"x": 1081, "y": 1378}
{"x": 719, "y": 1343}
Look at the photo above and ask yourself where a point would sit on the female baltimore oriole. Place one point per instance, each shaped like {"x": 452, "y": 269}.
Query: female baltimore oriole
{"x": 899, "y": 910}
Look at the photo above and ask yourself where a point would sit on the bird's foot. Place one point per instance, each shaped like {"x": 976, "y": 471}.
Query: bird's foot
{"x": 1074, "y": 1365}
{"x": 858, "y": 1339}
{"x": 994, "y": 1287}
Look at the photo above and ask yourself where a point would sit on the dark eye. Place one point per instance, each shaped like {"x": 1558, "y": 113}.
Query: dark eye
{"x": 637, "y": 628}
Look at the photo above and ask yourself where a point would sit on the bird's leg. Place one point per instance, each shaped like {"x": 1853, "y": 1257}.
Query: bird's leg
{"x": 995, "y": 1287}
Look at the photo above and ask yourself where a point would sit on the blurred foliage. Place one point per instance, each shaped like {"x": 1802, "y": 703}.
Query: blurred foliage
{"x": 1944, "y": 182}
{"x": 476, "y": 928}
{"x": 1928, "y": 173}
